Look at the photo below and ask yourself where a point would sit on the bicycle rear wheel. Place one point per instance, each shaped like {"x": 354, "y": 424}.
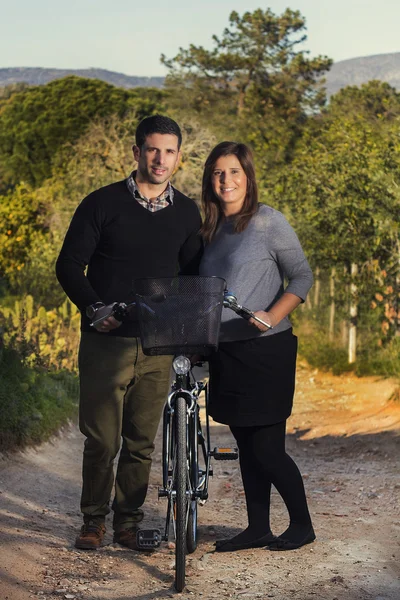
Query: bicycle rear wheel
{"x": 167, "y": 449}
{"x": 191, "y": 536}
{"x": 181, "y": 499}
{"x": 191, "y": 539}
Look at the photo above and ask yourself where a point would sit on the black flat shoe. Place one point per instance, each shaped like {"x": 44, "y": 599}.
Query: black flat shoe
{"x": 280, "y": 544}
{"x": 229, "y": 546}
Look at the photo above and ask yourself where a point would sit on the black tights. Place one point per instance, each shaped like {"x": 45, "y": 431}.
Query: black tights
{"x": 264, "y": 461}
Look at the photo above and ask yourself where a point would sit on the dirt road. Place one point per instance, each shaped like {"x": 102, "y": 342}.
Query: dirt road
{"x": 345, "y": 436}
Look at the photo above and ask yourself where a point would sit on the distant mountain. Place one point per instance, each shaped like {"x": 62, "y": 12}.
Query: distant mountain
{"x": 353, "y": 71}
{"x": 39, "y": 76}
{"x": 356, "y": 71}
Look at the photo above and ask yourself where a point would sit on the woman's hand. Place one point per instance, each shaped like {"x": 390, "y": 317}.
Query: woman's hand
{"x": 281, "y": 309}
{"x": 268, "y": 317}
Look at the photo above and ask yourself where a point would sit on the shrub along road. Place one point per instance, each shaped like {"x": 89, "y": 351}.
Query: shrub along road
{"x": 344, "y": 434}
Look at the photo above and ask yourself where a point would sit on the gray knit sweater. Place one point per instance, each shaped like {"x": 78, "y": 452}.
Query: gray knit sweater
{"x": 255, "y": 265}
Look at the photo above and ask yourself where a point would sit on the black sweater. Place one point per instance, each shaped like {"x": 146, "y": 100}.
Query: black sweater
{"x": 118, "y": 240}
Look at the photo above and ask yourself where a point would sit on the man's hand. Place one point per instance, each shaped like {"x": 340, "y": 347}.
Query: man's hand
{"x": 103, "y": 321}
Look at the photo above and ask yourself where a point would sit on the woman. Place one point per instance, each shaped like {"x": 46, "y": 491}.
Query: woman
{"x": 252, "y": 375}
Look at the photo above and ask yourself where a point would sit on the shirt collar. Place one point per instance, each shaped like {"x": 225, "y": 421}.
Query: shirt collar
{"x": 167, "y": 194}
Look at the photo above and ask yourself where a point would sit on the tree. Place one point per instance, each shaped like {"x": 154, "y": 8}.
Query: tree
{"x": 33, "y": 220}
{"x": 23, "y": 222}
{"x": 375, "y": 99}
{"x": 198, "y": 141}
{"x": 342, "y": 192}
{"x": 256, "y": 54}
{"x": 36, "y": 122}
{"x": 12, "y": 88}
{"x": 257, "y": 78}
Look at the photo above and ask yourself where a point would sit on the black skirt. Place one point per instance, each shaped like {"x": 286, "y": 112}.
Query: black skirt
{"x": 252, "y": 381}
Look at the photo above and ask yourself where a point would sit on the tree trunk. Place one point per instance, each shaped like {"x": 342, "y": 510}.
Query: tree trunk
{"x": 317, "y": 287}
{"x": 397, "y": 292}
{"x": 344, "y": 332}
{"x": 240, "y": 106}
{"x": 352, "y": 354}
{"x": 332, "y": 305}
{"x": 344, "y": 324}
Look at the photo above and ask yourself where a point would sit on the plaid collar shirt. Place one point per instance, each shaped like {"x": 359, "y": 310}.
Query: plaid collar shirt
{"x": 162, "y": 201}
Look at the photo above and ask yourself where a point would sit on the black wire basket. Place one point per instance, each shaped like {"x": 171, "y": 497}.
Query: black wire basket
{"x": 179, "y": 315}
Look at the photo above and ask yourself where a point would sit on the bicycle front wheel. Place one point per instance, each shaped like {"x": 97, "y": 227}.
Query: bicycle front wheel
{"x": 181, "y": 499}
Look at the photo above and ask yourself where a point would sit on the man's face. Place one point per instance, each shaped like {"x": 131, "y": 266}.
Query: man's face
{"x": 157, "y": 158}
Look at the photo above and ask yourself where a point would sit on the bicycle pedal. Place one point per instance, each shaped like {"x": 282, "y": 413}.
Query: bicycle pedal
{"x": 225, "y": 453}
{"x": 147, "y": 539}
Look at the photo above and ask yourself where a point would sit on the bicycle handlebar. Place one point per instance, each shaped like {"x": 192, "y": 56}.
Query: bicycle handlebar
{"x": 230, "y": 301}
{"x": 120, "y": 310}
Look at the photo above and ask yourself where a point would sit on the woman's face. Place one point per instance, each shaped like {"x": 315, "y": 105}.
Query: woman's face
{"x": 229, "y": 183}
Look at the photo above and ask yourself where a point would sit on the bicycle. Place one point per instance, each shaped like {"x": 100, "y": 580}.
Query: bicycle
{"x": 165, "y": 308}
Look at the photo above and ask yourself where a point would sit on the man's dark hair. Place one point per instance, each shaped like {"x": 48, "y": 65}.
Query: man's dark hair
{"x": 157, "y": 124}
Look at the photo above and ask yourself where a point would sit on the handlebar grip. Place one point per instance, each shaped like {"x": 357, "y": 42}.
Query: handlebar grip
{"x": 245, "y": 314}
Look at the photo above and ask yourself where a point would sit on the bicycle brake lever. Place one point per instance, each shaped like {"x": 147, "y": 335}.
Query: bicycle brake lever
{"x": 118, "y": 311}
{"x": 110, "y": 314}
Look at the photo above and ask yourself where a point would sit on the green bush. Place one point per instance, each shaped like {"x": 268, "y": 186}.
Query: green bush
{"x": 34, "y": 403}
{"x": 383, "y": 360}
{"x": 37, "y": 122}
{"x": 44, "y": 338}
{"x": 372, "y": 358}
{"x": 323, "y": 355}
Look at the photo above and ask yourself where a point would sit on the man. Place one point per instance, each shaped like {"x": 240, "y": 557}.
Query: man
{"x": 138, "y": 227}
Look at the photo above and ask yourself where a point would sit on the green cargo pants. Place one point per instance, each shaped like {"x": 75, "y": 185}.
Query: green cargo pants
{"x": 122, "y": 394}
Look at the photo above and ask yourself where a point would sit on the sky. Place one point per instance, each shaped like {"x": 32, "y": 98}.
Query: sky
{"x": 129, "y": 36}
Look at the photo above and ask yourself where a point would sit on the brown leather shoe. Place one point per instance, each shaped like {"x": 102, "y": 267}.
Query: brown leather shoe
{"x": 126, "y": 537}
{"x": 91, "y": 535}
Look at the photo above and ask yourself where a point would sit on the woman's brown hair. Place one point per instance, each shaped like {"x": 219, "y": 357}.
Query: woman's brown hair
{"x": 210, "y": 203}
